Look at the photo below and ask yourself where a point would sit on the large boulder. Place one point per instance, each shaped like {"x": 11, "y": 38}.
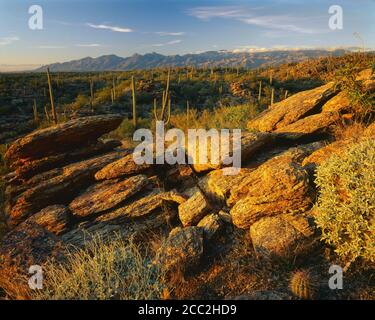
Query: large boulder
{"x": 280, "y": 185}
{"x": 284, "y": 236}
{"x": 290, "y": 110}
{"x": 106, "y": 195}
{"x": 62, "y": 137}
{"x": 182, "y": 250}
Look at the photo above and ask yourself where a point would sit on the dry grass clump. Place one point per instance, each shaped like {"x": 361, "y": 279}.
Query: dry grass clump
{"x": 101, "y": 271}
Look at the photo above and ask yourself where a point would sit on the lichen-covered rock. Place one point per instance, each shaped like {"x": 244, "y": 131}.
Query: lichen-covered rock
{"x": 193, "y": 209}
{"x": 29, "y": 244}
{"x": 249, "y": 145}
{"x": 311, "y": 125}
{"x": 142, "y": 207}
{"x": 122, "y": 167}
{"x": 106, "y": 195}
{"x": 290, "y": 110}
{"x": 278, "y": 186}
{"x": 265, "y": 295}
{"x": 28, "y": 168}
{"x": 338, "y": 103}
{"x": 216, "y": 185}
{"x": 211, "y": 225}
{"x": 59, "y": 186}
{"x": 62, "y": 137}
{"x": 54, "y": 219}
{"x": 284, "y": 236}
{"x": 182, "y": 250}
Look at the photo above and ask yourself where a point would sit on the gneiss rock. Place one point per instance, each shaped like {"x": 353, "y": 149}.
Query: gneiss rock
{"x": 29, "y": 244}
{"x": 278, "y": 186}
{"x": 194, "y": 209}
{"x": 250, "y": 144}
{"x": 54, "y": 219}
{"x": 57, "y": 187}
{"x": 125, "y": 228}
{"x": 27, "y": 169}
{"x": 182, "y": 250}
{"x": 211, "y": 225}
{"x": 284, "y": 236}
{"x": 142, "y": 207}
{"x": 216, "y": 185}
{"x": 106, "y": 195}
{"x": 62, "y": 137}
{"x": 292, "y": 109}
{"x": 119, "y": 168}
{"x": 311, "y": 125}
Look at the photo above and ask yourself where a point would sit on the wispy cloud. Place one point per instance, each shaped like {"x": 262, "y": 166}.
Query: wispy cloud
{"x": 88, "y": 45}
{"x": 111, "y": 28}
{"x": 166, "y": 43}
{"x": 8, "y": 40}
{"x": 252, "y": 16}
{"x": 206, "y": 13}
{"x": 51, "y": 47}
{"x": 162, "y": 33}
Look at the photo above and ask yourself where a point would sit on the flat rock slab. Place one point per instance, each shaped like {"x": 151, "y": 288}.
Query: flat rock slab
{"x": 123, "y": 167}
{"x": 106, "y": 195}
{"x": 142, "y": 207}
{"x": 55, "y": 187}
{"x": 292, "y": 109}
{"x": 54, "y": 219}
{"x": 284, "y": 236}
{"x": 62, "y": 137}
{"x": 27, "y": 169}
{"x": 278, "y": 186}
{"x": 312, "y": 125}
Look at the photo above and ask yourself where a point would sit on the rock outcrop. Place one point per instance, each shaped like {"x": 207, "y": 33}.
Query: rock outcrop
{"x": 62, "y": 137}
{"x": 278, "y": 186}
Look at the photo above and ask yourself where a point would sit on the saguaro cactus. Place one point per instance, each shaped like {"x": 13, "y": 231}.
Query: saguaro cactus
{"x": 272, "y": 96}
{"x": 134, "y": 102}
{"x": 35, "y": 111}
{"x": 260, "y": 90}
{"x": 54, "y": 115}
{"x": 166, "y": 102}
{"x": 92, "y": 93}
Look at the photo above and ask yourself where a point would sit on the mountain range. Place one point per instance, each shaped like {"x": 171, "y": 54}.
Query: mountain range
{"x": 205, "y": 59}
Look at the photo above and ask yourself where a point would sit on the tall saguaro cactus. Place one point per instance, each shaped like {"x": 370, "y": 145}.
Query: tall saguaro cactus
{"x": 54, "y": 115}
{"x": 134, "y": 102}
{"x": 166, "y": 102}
{"x": 35, "y": 111}
{"x": 260, "y": 91}
{"x": 272, "y": 96}
{"x": 92, "y": 93}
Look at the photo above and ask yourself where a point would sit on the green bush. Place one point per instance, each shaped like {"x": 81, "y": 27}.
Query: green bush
{"x": 346, "y": 203}
{"x": 116, "y": 270}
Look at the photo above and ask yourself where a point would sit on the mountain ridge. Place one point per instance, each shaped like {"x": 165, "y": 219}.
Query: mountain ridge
{"x": 112, "y": 62}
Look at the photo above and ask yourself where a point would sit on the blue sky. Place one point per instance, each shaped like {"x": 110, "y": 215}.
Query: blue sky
{"x": 75, "y": 29}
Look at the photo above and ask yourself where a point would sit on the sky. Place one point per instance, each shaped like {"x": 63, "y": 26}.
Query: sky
{"x": 73, "y": 29}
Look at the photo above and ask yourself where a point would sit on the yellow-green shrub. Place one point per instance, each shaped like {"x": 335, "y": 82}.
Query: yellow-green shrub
{"x": 346, "y": 203}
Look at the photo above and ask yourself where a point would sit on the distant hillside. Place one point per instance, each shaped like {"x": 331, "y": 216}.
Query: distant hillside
{"x": 205, "y": 59}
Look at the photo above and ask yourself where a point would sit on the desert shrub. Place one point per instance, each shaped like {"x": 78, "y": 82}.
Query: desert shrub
{"x": 101, "y": 271}
{"x": 126, "y": 128}
{"x": 346, "y": 202}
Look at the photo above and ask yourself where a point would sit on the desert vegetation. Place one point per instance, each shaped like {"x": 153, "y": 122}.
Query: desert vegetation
{"x": 104, "y": 227}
